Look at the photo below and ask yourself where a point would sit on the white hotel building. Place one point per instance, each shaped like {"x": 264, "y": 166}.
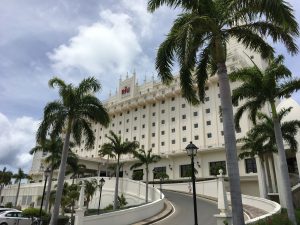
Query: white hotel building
{"x": 158, "y": 118}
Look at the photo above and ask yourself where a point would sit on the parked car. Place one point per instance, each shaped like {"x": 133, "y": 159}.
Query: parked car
{"x": 14, "y": 217}
{"x": 6, "y": 209}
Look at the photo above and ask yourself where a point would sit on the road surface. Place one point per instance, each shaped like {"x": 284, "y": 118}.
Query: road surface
{"x": 184, "y": 211}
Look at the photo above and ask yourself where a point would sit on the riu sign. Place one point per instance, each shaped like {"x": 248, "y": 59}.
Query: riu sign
{"x": 125, "y": 90}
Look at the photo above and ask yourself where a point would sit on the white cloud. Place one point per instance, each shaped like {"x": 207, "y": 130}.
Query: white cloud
{"x": 17, "y": 137}
{"x": 109, "y": 45}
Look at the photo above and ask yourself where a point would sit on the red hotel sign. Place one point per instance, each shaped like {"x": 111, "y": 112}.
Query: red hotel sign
{"x": 125, "y": 90}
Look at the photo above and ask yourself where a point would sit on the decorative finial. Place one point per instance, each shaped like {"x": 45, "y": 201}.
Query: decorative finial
{"x": 221, "y": 172}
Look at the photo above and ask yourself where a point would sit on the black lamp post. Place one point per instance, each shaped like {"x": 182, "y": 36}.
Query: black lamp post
{"x": 191, "y": 150}
{"x": 46, "y": 174}
{"x": 101, "y": 184}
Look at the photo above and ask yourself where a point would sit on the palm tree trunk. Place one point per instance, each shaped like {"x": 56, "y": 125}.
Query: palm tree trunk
{"x": 147, "y": 182}
{"x": 283, "y": 169}
{"x": 61, "y": 175}
{"x": 264, "y": 177}
{"x": 230, "y": 146}
{"x": 117, "y": 184}
{"x": 18, "y": 191}
{"x": 48, "y": 190}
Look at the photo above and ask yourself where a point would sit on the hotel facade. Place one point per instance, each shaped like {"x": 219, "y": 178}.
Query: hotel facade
{"x": 159, "y": 118}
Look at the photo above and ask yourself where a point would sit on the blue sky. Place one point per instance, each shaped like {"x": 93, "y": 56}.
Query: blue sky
{"x": 72, "y": 40}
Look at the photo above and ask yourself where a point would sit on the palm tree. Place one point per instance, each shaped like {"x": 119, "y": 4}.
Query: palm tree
{"x": 118, "y": 148}
{"x": 106, "y": 153}
{"x": 261, "y": 141}
{"x": 76, "y": 169}
{"x": 53, "y": 146}
{"x": 90, "y": 189}
{"x": 71, "y": 114}
{"x": 262, "y": 88}
{"x": 198, "y": 40}
{"x": 5, "y": 178}
{"x": 18, "y": 178}
{"x": 145, "y": 158}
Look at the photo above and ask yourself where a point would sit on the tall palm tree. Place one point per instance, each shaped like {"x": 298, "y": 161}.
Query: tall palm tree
{"x": 198, "y": 40}
{"x": 145, "y": 158}
{"x": 5, "y": 178}
{"x": 54, "y": 146}
{"x": 76, "y": 170}
{"x": 89, "y": 190}
{"x": 261, "y": 88}
{"x": 72, "y": 114}
{"x": 261, "y": 141}
{"x": 118, "y": 148}
{"x": 19, "y": 176}
{"x": 106, "y": 153}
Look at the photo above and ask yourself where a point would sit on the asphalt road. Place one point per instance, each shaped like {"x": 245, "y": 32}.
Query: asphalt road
{"x": 184, "y": 211}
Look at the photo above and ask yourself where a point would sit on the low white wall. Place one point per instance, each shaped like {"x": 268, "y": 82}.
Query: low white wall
{"x": 210, "y": 189}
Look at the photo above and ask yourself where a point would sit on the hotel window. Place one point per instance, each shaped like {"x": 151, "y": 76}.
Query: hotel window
{"x": 173, "y": 142}
{"x": 121, "y": 114}
{"x": 209, "y": 135}
{"x": 153, "y": 104}
{"x": 162, "y": 102}
{"x": 207, "y": 110}
{"x": 153, "y": 145}
{"x": 185, "y": 170}
{"x": 183, "y": 139}
{"x": 173, "y": 108}
{"x": 184, "y": 128}
{"x": 219, "y": 95}
{"x": 127, "y": 130}
{"x": 143, "y": 136}
{"x": 162, "y": 122}
{"x": 206, "y": 99}
{"x": 127, "y": 120}
{"x": 135, "y": 109}
{"x": 221, "y": 119}
{"x": 208, "y": 122}
{"x": 195, "y": 113}
{"x": 162, "y": 143}
{"x": 114, "y": 116}
{"x": 173, "y": 99}
{"x": 183, "y": 106}
{"x": 127, "y": 112}
{"x": 144, "y": 116}
{"x": 183, "y": 117}
{"x": 195, "y": 125}
{"x": 196, "y": 137}
{"x": 162, "y": 132}
{"x": 250, "y": 165}
{"x": 153, "y": 114}
{"x": 173, "y": 130}
{"x": 163, "y": 111}
{"x": 134, "y": 128}
{"x": 119, "y": 132}
{"x": 143, "y": 146}
{"x": 100, "y": 137}
{"x": 143, "y": 126}
{"x": 153, "y": 124}
{"x": 113, "y": 124}
{"x": 173, "y": 119}
{"x": 159, "y": 170}
{"x": 214, "y": 167}
{"x": 120, "y": 122}
{"x": 153, "y": 134}
{"x": 222, "y": 133}
{"x": 134, "y": 138}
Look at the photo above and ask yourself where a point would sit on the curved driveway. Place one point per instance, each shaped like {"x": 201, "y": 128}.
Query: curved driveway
{"x": 184, "y": 215}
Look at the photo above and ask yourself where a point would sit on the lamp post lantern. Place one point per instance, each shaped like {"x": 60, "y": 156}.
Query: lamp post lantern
{"x": 46, "y": 174}
{"x": 101, "y": 184}
{"x": 191, "y": 150}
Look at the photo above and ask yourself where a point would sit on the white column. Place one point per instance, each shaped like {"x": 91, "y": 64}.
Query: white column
{"x": 79, "y": 213}
{"x": 298, "y": 161}
{"x": 272, "y": 173}
{"x": 225, "y": 214}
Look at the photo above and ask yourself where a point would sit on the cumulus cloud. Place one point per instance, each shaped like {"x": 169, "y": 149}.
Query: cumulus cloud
{"x": 17, "y": 137}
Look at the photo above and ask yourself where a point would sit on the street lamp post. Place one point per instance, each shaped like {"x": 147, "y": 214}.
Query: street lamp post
{"x": 46, "y": 174}
{"x": 102, "y": 181}
{"x": 191, "y": 150}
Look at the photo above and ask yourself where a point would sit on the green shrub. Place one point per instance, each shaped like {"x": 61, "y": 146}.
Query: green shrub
{"x": 109, "y": 207}
{"x": 33, "y": 212}
{"x": 277, "y": 219}
{"x": 8, "y": 205}
{"x": 62, "y": 220}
